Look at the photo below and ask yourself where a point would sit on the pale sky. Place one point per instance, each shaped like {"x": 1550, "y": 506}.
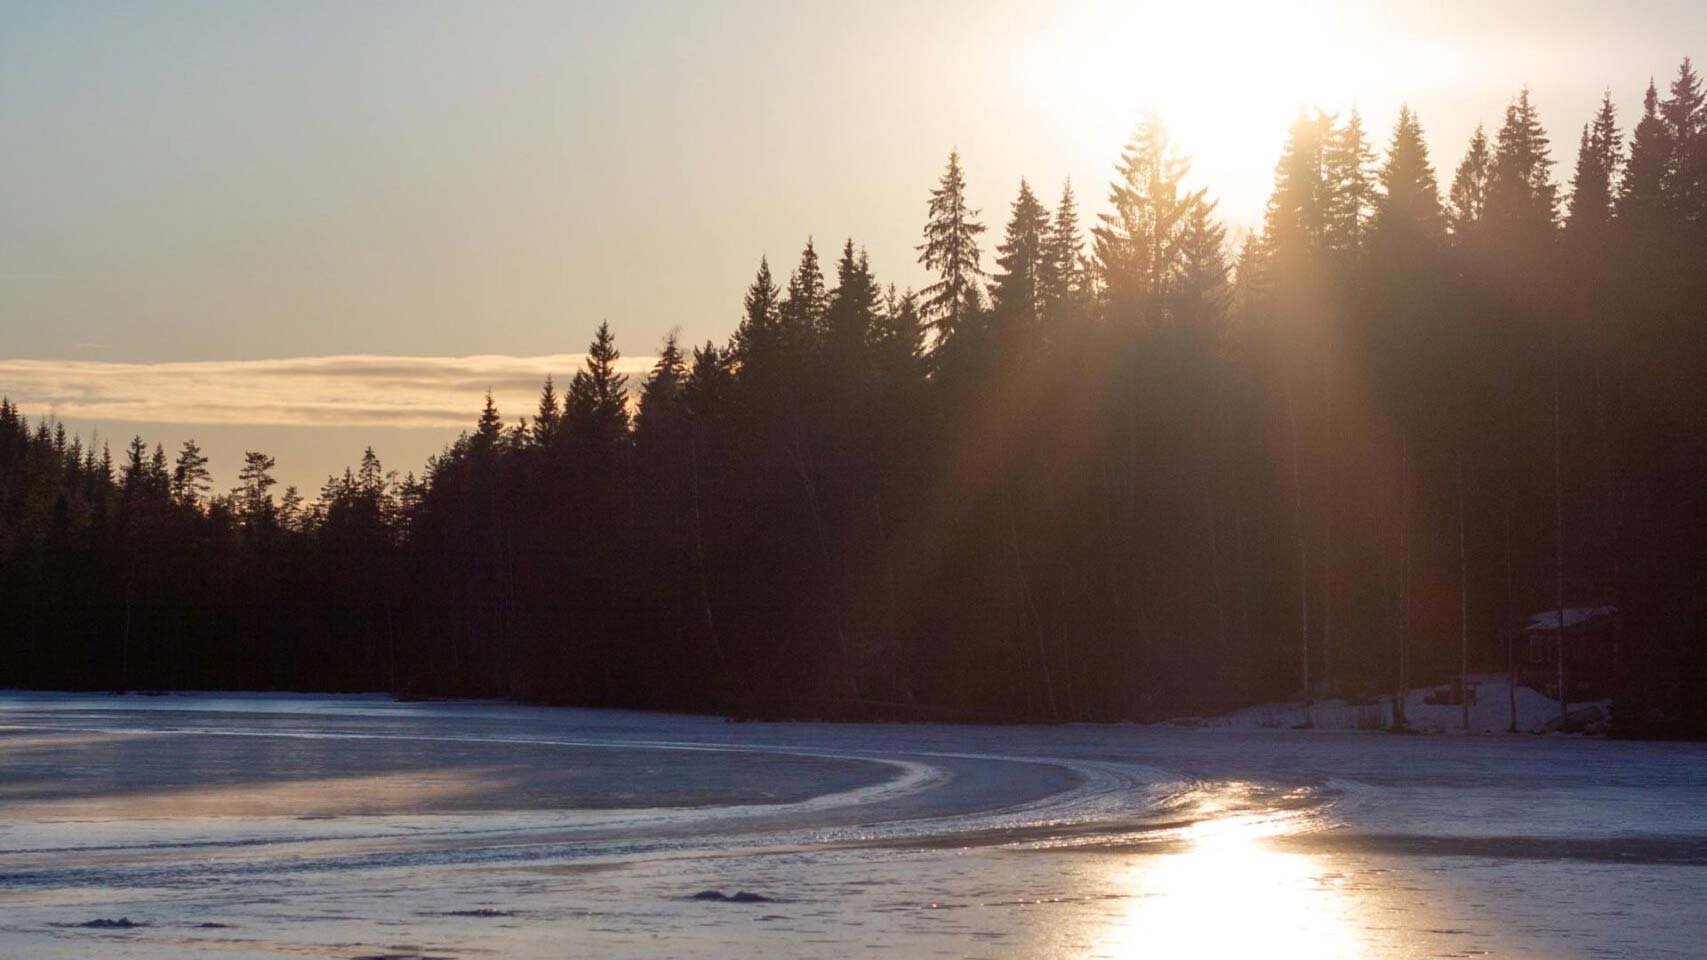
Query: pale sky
{"x": 233, "y": 182}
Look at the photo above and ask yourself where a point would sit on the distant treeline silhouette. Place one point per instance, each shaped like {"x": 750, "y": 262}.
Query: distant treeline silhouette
{"x": 1131, "y": 471}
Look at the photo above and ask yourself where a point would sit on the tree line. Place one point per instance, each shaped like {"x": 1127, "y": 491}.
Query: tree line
{"x": 1098, "y": 469}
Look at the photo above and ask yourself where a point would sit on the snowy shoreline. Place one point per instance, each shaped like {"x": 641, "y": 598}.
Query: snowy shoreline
{"x": 1491, "y": 712}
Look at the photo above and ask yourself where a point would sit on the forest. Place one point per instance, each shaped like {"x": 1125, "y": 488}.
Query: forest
{"x": 1121, "y": 466}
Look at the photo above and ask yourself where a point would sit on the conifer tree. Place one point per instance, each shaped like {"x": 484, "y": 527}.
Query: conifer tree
{"x": 1062, "y": 279}
{"x": 1523, "y": 200}
{"x": 1685, "y": 116}
{"x": 951, "y": 251}
{"x": 549, "y": 417}
{"x": 1348, "y": 166}
{"x": 801, "y": 313}
{"x": 1138, "y": 243}
{"x": 1407, "y": 205}
{"x": 1016, "y": 295}
{"x": 1204, "y": 287}
{"x": 598, "y": 396}
{"x": 254, "y": 481}
{"x": 1467, "y": 202}
{"x": 190, "y": 477}
{"x": 1642, "y": 192}
{"x": 489, "y": 429}
{"x": 1598, "y": 156}
{"x": 661, "y": 391}
{"x": 1295, "y": 223}
{"x": 758, "y": 337}
{"x": 852, "y": 307}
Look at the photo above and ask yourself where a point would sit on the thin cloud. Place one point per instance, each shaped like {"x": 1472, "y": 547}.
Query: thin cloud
{"x": 344, "y": 390}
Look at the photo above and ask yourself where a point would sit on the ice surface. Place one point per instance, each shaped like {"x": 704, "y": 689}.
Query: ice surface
{"x": 250, "y": 826}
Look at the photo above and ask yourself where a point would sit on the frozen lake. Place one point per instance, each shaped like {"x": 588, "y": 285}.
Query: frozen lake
{"x": 294, "y": 826}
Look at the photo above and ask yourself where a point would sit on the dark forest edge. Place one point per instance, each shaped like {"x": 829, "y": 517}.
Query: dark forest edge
{"x": 1125, "y": 475}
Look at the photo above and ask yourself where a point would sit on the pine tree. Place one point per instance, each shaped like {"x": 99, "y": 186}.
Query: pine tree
{"x": 1204, "y": 287}
{"x": 254, "y": 502}
{"x": 758, "y": 337}
{"x": 1685, "y": 116}
{"x": 661, "y": 392}
{"x": 1407, "y": 207}
{"x": 190, "y": 477}
{"x": 1138, "y": 244}
{"x": 549, "y": 417}
{"x": 598, "y": 396}
{"x": 1598, "y": 156}
{"x": 489, "y": 429}
{"x": 951, "y": 250}
{"x": 1347, "y": 167}
{"x": 1523, "y": 200}
{"x": 1642, "y": 193}
{"x": 1467, "y": 202}
{"x": 1295, "y": 223}
{"x": 1017, "y": 296}
{"x": 801, "y": 313}
{"x": 853, "y": 307}
{"x": 1062, "y": 278}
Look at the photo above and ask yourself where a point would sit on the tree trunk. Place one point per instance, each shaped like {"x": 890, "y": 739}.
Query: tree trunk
{"x": 1303, "y": 561}
{"x": 1463, "y": 602}
{"x": 1559, "y": 538}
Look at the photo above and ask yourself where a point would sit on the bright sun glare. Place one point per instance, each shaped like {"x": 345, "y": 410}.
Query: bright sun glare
{"x": 1231, "y": 895}
{"x": 1203, "y": 64}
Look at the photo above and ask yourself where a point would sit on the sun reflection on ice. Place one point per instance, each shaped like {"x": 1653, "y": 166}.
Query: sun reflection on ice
{"x": 1231, "y": 893}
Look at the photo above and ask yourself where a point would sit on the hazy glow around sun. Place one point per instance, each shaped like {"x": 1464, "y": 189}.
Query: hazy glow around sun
{"x": 1229, "y": 76}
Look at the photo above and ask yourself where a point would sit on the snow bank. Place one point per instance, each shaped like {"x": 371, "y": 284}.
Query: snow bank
{"x": 1490, "y": 712}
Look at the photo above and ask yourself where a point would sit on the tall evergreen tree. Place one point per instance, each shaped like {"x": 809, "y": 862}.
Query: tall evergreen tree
{"x": 1348, "y": 167}
{"x": 547, "y": 420}
{"x": 1599, "y": 154}
{"x": 190, "y": 476}
{"x": 1523, "y": 200}
{"x": 853, "y": 307}
{"x": 951, "y": 251}
{"x": 1685, "y": 116}
{"x": 801, "y": 313}
{"x": 1642, "y": 192}
{"x": 1467, "y": 202}
{"x": 1138, "y": 242}
{"x": 598, "y": 396}
{"x": 1062, "y": 279}
{"x": 1407, "y": 206}
{"x": 1017, "y": 294}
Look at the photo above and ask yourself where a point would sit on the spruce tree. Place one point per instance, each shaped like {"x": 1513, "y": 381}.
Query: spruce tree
{"x": 1204, "y": 287}
{"x": 1062, "y": 280}
{"x": 801, "y": 313}
{"x": 951, "y": 251}
{"x": 598, "y": 396}
{"x": 1016, "y": 296}
{"x": 1642, "y": 192}
{"x": 1407, "y": 205}
{"x": 758, "y": 337}
{"x": 852, "y": 308}
{"x": 1295, "y": 223}
{"x": 1685, "y": 116}
{"x": 548, "y": 418}
{"x": 1348, "y": 166}
{"x": 1467, "y": 202}
{"x": 1598, "y": 156}
{"x": 1138, "y": 242}
{"x": 661, "y": 391}
{"x": 1523, "y": 200}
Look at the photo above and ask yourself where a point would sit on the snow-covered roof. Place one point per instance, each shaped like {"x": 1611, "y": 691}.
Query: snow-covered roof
{"x": 1549, "y": 619}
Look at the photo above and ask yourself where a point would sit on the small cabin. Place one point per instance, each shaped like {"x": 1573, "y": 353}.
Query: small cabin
{"x": 1591, "y": 651}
